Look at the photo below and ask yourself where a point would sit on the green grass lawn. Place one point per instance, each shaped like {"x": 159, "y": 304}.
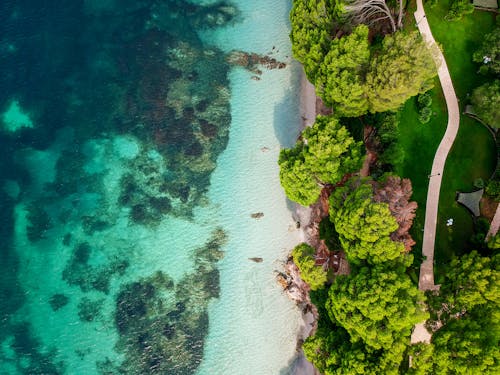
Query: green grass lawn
{"x": 473, "y": 154}
{"x": 420, "y": 141}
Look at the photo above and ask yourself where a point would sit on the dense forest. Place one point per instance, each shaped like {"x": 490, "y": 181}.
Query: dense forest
{"x": 365, "y": 65}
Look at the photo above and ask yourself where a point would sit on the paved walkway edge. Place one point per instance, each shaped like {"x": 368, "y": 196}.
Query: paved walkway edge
{"x": 426, "y": 279}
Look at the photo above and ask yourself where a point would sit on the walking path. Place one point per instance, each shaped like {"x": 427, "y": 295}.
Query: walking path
{"x": 495, "y": 224}
{"x": 426, "y": 280}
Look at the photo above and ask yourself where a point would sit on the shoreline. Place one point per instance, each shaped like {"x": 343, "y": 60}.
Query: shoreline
{"x": 307, "y": 101}
{"x": 302, "y": 215}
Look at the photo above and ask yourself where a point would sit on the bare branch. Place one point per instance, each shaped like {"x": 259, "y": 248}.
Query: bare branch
{"x": 371, "y": 11}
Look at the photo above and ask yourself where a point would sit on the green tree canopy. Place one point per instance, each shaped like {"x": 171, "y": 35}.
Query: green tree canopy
{"x": 486, "y": 102}
{"x": 489, "y": 53}
{"x": 422, "y": 359}
{"x": 349, "y": 74}
{"x": 303, "y": 257}
{"x": 402, "y": 68}
{"x": 376, "y": 305}
{"x": 470, "y": 281}
{"x": 467, "y": 346}
{"x": 340, "y": 78}
{"x": 458, "y": 9}
{"x": 332, "y": 352}
{"x": 312, "y": 27}
{"x": 363, "y": 225}
{"x": 324, "y": 155}
{"x": 296, "y": 178}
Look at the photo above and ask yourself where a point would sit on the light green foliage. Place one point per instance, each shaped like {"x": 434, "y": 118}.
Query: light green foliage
{"x": 486, "y": 102}
{"x": 402, "y": 68}
{"x": 471, "y": 280}
{"x": 458, "y": 9}
{"x": 494, "y": 242}
{"x": 326, "y": 153}
{"x": 319, "y": 347}
{"x": 422, "y": 359}
{"x": 489, "y": 53}
{"x": 468, "y": 345}
{"x": 331, "y": 152}
{"x": 363, "y": 225}
{"x": 312, "y": 26}
{"x": 303, "y": 257}
{"x": 376, "y": 305}
{"x": 340, "y": 78}
{"x": 296, "y": 178}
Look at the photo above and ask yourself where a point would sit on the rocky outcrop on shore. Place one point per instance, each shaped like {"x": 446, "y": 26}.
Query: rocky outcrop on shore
{"x": 253, "y": 61}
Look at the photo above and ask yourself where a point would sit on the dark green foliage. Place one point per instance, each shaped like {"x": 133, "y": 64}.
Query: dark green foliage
{"x": 477, "y": 241}
{"x": 364, "y": 226}
{"x": 340, "y": 79}
{"x": 424, "y": 103}
{"x": 348, "y": 75}
{"x": 468, "y": 307}
{"x": 424, "y": 100}
{"x": 493, "y": 190}
{"x": 376, "y": 305}
{"x": 478, "y": 183}
{"x": 389, "y": 150}
{"x": 387, "y": 126}
{"x": 333, "y": 353}
{"x": 303, "y": 256}
{"x": 458, "y": 9}
{"x": 323, "y": 156}
{"x": 486, "y": 101}
{"x": 328, "y": 233}
{"x": 471, "y": 281}
{"x": 489, "y": 53}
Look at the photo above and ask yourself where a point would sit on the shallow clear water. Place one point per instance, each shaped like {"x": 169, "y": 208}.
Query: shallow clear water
{"x": 127, "y": 201}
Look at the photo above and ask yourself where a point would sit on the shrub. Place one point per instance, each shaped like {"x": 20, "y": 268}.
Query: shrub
{"x": 424, "y": 103}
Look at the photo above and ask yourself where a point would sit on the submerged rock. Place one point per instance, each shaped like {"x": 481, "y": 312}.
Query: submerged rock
{"x": 58, "y": 301}
{"x": 163, "y": 326}
{"x": 251, "y": 61}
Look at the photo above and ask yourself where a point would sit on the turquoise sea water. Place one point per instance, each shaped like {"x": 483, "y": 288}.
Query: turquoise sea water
{"x": 128, "y": 184}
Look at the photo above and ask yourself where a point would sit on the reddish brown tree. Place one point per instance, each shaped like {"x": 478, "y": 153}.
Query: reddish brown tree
{"x": 396, "y": 192}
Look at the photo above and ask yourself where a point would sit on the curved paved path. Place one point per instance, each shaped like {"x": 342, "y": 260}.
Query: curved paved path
{"x": 495, "y": 224}
{"x": 426, "y": 280}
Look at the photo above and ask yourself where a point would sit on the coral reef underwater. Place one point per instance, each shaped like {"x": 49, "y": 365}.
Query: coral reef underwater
{"x": 128, "y": 111}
